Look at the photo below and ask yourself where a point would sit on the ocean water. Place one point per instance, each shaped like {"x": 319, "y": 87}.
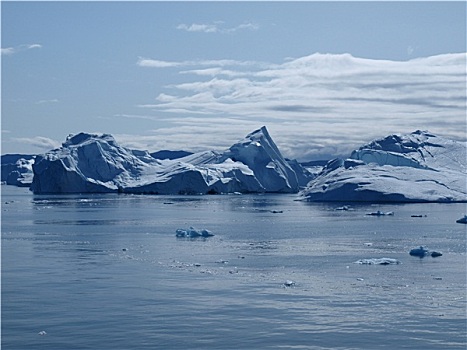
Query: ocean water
{"x": 107, "y": 272}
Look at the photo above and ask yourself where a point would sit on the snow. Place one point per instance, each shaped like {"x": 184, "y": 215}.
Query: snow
{"x": 418, "y": 167}
{"x": 97, "y": 163}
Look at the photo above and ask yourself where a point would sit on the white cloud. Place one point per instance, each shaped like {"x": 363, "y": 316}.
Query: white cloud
{"x": 217, "y": 27}
{"x": 16, "y": 49}
{"x": 146, "y": 62}
{"x": 43, "y": 143}
{"x": 206, "y": 28}
{"x": 322, "y": 103}
{"x": 47, "y": 101}
{"x": 8, "y": 51}
{"x": 151, "y": 63}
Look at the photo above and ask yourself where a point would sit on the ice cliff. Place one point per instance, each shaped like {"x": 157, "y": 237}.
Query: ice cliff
{"x": 96, "y": 163}
{"x": 418, "y": 167}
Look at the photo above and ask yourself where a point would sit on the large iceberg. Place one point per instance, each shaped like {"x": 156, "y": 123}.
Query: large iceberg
{"x": 418, "y": 167}
{"x": 96, "y": 163}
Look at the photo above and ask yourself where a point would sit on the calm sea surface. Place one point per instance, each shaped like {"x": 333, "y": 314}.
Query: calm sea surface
{"x": 107, "y": 272}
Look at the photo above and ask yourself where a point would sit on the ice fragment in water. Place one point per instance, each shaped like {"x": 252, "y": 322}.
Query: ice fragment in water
{"x": 421, "y": 252}
{"x": 380, "y": 213}
{"x": 193, "y": 233}
{"x": 378, "y": 261}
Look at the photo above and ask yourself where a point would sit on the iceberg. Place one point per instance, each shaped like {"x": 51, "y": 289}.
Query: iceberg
{"x": 17, "y": 169}
{"x": 462, "y": 220}
{"x": 417, "y": 167}
{"x": 97, "y": 163}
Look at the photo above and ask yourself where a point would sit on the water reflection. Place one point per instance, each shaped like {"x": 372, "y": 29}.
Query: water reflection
{"x": 99, "y": 222}
{"x": 118, "y": 266}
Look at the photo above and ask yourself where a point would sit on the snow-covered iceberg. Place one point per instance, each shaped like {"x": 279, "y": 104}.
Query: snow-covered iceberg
{"x": 97, "y": 163}
{"x": 418, "y": 167}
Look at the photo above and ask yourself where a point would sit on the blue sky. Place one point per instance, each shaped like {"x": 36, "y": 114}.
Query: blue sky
{"x": 324, "y": 77}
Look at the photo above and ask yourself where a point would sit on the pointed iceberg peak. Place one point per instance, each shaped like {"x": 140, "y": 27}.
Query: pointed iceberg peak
{"x": 259, "y": 133}
{"x": 258, "y": 138}
{"x": 257, "y": 147}
{"x": 259, "y": 152}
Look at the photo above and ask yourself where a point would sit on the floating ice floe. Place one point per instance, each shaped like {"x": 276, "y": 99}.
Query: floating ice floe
{"x": 421, "y": 252}
{"x": 436, "y": 254}
{"x": 289, "y": 283}
{"x": 42, "y": 333}
{"x": 193, "y": 233}
{"x": 344, "y": 208}
{"x": 378, "y": 261}
{"x": 462, "y": 220}
{"x": 380, "y": 213}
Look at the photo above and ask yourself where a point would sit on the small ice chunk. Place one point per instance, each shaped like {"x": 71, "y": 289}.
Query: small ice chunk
{"x": 380, "y": 213}
{"x": 289, "y": 283}
{"x": 378, "y": 261}
{"x": 193, "y": 233}
{"x": 420, "y": 252}
{"x": 222, "y": 261}
{"x": 344, "y": 207}
{"x": 42, "y": 333}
